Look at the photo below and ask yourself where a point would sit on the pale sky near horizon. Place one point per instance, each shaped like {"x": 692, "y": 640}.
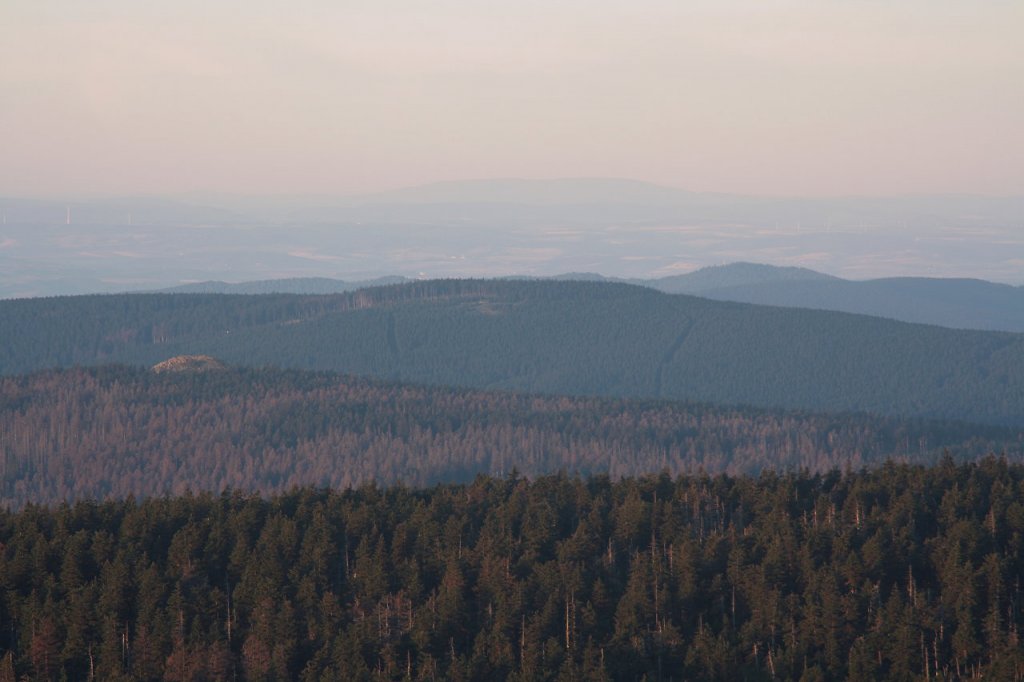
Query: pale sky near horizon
{"x": 799, "y": 97}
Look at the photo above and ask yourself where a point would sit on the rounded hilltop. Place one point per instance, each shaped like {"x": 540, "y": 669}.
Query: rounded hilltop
{"x": 189, "y": 363}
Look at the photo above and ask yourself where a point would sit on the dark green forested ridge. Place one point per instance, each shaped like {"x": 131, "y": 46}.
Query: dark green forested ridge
{"x": 898, "y": 573}
{"x": 948, "y": 302}
{"x": 116, "y": 431}
{"x": 959, "y": 303}
{"x": 555, "y": 337}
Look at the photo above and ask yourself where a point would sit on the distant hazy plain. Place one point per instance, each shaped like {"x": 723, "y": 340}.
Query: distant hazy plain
{"x": 615, "y": 228}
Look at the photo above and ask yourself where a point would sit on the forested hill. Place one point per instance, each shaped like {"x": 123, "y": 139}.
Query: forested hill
{"x": 903, "y": 573}
{"x": 119, "y": 431}
{"x": 556, "y": 337}
{"x": 292, "y": 285}
{"x": 955, "y": 303}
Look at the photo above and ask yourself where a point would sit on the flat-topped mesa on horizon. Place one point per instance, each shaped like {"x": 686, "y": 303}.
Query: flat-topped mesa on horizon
{"x": 189, "y": 363}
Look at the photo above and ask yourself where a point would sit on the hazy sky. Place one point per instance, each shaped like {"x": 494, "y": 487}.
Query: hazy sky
{"x": 805, "y": 97}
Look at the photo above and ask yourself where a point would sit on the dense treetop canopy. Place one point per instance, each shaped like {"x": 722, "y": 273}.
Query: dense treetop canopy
{"x": 902, "y": 572}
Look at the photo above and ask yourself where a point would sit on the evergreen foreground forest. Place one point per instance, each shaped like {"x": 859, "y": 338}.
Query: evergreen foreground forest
{"x": 897, "y": 573}
{"x": 111, "y": 432}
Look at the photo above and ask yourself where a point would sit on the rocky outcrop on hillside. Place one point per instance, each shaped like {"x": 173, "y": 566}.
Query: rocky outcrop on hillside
{"x": 189, "y": 363}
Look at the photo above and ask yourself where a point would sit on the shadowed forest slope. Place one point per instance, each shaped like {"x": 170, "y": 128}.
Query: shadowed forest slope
{"x": 582, "y": 338}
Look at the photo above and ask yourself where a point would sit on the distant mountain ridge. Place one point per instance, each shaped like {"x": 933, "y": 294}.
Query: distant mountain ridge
{"x": 565, "y": 337}
{"x": 292, "y": 285}
{"x": 946, "y": 302}
{"x": 738, "y": 274}
{"x": 954, "y": 303}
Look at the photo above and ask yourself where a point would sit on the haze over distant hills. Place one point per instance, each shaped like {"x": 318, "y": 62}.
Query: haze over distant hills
{"x": 591, "y": 201}
{"x": 620, "y": 228}
{"x": 585, "y": 338}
